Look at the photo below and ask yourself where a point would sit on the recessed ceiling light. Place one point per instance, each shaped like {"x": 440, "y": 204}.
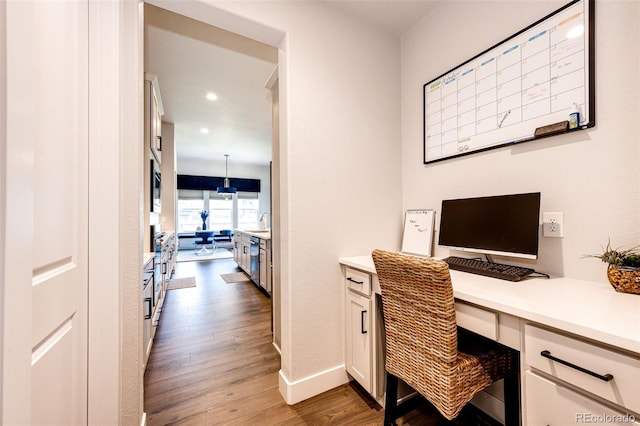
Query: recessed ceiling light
{"x": 212, "y": 96}
{"x": 204, "y": 131}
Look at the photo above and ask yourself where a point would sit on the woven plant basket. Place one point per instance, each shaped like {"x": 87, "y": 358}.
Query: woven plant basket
{"x": 624, "y": 280}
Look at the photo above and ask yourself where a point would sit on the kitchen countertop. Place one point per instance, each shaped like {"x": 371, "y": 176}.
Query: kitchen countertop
{"x": 586, "y": 308}
{"x": 265, "y": 234}
{"x": 148, "y": 255}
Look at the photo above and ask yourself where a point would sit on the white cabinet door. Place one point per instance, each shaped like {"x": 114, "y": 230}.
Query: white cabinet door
{"x": 44, "y": 229}
{"x": 237, "y": 249}
{"x": 157, "y": 128}
{"x": 147, "y": 306}
{"x": 549, "y": 403}
{"x": 263, "y": 269}
{"x": 265, "y": 264}
{"x": 358, "y": 336}
{"x": 245, "y": 257}
{"x": 153, "y": 119}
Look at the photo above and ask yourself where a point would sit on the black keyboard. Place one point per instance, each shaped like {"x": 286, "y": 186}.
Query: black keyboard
{"x": 488, "y": 269}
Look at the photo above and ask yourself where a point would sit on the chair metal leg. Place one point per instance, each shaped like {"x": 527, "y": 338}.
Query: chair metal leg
{"x": 391, "y": 400}
{"x": 512, "y": 400}
{"x": 203, "y": 250}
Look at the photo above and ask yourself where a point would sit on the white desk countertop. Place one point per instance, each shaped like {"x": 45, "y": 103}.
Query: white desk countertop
{"x": 590, "y": 309}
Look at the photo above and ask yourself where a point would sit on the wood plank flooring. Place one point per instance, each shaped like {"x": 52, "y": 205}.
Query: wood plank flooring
{"x": 213, "y": 363}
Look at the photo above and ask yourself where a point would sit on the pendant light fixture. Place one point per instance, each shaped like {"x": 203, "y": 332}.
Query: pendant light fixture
{"x": 226, "y": 189}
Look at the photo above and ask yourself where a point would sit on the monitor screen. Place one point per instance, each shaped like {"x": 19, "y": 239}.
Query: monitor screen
{"x": 501, "y": 225}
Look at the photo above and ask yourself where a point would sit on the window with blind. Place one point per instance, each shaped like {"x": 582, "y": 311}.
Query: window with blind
{"x": 241, "y": 210}
{"x": 190, "y": 204}
{"x": 220, "y": 212}
{"x": 248, "y": 210}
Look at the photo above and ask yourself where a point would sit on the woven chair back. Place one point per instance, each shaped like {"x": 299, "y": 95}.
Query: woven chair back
{"x": 419, "y": 312}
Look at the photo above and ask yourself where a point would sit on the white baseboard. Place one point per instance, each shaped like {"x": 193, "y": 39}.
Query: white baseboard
{"x": 294, "y": 392}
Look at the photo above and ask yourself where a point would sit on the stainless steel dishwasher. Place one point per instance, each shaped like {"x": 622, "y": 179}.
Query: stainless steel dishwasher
{"x": 254, "y": 264}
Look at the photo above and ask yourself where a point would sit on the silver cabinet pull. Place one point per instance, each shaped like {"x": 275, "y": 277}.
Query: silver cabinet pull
{"x": 148, "y": 300}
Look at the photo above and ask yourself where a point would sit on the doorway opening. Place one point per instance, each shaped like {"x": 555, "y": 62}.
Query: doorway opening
{"x": 219, "y": 93}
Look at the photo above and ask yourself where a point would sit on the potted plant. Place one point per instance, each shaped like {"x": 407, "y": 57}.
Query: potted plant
{"x": 623, "y": 271}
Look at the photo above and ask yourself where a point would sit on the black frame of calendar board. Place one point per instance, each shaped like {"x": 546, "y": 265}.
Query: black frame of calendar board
{"x": 589, "y": 63}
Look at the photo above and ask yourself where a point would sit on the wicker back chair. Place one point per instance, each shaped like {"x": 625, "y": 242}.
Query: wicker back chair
{"x": 424, "y": 347}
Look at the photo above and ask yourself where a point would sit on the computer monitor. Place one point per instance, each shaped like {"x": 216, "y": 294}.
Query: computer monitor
{"x": 505, "y": 225}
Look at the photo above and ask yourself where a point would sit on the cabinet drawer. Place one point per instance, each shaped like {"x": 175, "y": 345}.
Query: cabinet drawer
{"x": 478, "y": 320}
{"x": 549, "y": 403}
{"x": 358, "y": 281}
{"x": 586, "y": 359}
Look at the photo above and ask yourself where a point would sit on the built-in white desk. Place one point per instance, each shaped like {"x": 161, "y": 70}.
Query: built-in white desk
{"x": 585, "y": 323}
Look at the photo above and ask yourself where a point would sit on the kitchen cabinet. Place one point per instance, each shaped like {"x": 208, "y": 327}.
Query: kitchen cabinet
{"x": 359, "y": 336}
{"x": 169, "y": 256}
{"x": 153, "y": 115}
{"x": 242, "y": 255}
{"x": 237, "y": 247}
{"x": 245, "y": 253}
{"x": 265, "y": 265}
{"x": 569, "y": 380}
{"x": 147, "y": 309}
{"x": 242, "y": 250}
{"x": 157, "y": 272}
{"x": 156, "y": 188}
{"x": 358, "y": 339}
{"x": 551, "y": 403}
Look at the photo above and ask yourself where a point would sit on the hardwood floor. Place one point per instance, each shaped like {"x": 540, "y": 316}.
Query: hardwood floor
{"x": 213, "y": 363}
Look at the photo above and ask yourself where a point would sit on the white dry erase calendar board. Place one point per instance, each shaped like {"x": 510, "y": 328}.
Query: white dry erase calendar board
{"x": 501, "y": 96}
{"x": 418, "y": 232}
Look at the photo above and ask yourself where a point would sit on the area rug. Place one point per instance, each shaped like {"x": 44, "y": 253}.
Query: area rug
{"x": 191, "y": 256}
{"x": 177, "y": 283}
{"x": 235, "y": 277}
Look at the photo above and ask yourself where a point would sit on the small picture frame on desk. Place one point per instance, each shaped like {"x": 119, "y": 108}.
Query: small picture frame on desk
{"x": 417, "y": 238}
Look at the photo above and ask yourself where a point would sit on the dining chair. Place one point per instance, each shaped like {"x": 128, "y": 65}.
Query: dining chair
{"x": 223, "y": 239}
{"x": 203, "y": 241}
{"x": 425, "y": 348}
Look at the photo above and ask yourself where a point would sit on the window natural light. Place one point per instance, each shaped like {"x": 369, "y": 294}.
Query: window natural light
{"x": 223, "y": 213}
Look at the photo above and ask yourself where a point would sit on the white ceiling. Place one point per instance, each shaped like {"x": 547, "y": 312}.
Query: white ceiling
{"x": 191, "y": 59}
{"x": 395, "y": 16}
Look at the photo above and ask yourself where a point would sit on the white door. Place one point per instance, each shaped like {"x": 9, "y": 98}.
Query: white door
{"x": 43, "y": 246}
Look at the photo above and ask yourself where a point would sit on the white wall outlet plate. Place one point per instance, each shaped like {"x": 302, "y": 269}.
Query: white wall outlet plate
{"x": 553, "y": 224}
